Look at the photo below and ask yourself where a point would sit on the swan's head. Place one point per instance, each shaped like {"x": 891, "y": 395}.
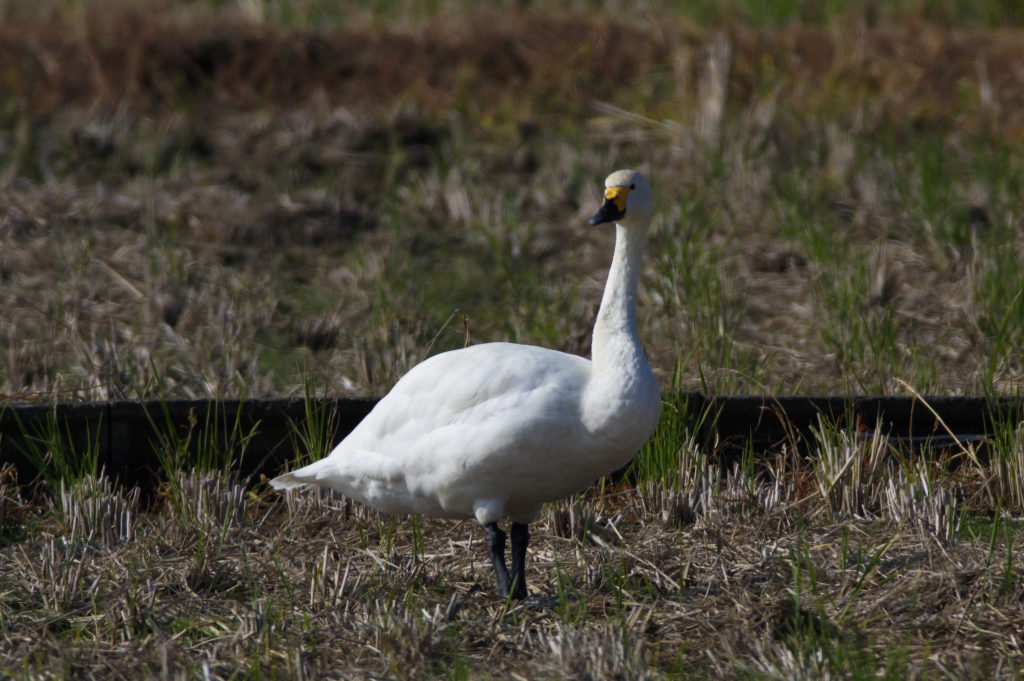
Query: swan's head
{"x": 627, "y": 199}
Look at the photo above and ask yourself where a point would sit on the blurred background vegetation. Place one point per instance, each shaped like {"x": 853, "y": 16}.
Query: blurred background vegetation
{"x": 242, "y": 198}
{"x": 252, "y": 197}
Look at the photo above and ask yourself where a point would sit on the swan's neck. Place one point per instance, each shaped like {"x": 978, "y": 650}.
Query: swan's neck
{"x": 616, "y": 346}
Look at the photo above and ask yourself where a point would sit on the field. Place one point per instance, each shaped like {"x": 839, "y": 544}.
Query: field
{"x": 284, "y": 198}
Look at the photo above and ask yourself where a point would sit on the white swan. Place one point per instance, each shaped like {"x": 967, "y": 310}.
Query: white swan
{"x": 495, "y": 430}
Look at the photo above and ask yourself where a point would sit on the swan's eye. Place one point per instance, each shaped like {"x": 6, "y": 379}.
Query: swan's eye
{"x": 632, "y": 186}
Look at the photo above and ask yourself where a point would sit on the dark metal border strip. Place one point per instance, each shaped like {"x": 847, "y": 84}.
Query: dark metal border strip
{"x": 259, "y": 436}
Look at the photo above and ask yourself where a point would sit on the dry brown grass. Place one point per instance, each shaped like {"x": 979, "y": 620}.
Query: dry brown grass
{"x": 157, "y": 56}
{"x": 200, "y": 203}
{"x": 758, "y": 582}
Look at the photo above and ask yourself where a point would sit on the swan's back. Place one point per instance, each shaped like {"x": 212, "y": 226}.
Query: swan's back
{"x": 470, "y": 387}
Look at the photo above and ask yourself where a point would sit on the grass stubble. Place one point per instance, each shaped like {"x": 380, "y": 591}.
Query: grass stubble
{"x": 184, "y": 216}
{"x": 862, "y": 562}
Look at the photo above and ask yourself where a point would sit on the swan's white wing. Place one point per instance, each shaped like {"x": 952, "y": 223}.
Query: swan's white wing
{"x": 471, "y": 427}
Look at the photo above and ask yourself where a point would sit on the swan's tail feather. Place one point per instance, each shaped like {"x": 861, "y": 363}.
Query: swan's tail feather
{"x": 288, "y": 481}
{"x": 303, "y": 477}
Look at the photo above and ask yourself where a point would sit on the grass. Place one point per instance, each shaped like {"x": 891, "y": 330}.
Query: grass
{"x": 829, "y": 224}
{"x": 264, "y": 198}
{"x": 790, "y": 571}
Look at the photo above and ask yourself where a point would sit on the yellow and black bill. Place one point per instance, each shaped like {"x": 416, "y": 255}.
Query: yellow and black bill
{"x": 614, "y": 206}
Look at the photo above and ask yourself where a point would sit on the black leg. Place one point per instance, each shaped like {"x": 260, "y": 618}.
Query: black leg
{"x": 520, "y": 540}
{"x": 496, "y": 546}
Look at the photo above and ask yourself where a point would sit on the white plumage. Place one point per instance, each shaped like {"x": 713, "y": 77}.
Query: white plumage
{"x": 496, "y": 430}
